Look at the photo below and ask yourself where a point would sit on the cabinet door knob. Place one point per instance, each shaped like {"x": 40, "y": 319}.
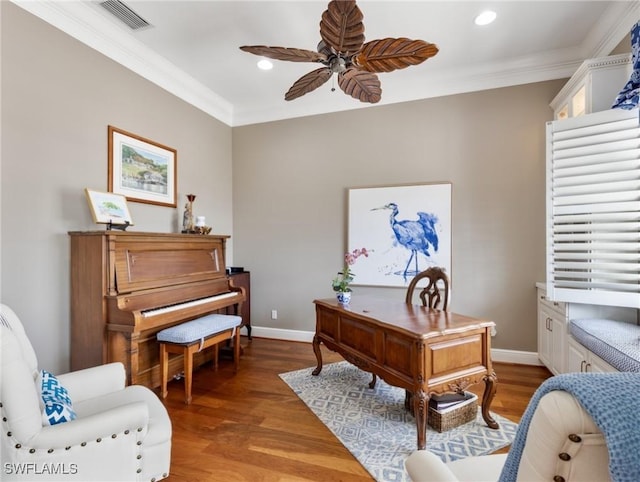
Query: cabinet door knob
{"x": 582, "y": 366}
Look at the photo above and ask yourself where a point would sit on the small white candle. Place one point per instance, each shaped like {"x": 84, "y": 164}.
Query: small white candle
{"x": 200, "y": 222}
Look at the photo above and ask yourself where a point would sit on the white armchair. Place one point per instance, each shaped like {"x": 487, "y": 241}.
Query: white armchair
{"x": 119, "y": 433}
{"x": 563, "y": 444}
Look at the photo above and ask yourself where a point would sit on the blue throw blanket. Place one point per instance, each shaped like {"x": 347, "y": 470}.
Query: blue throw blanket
{"x": 612, "y": 400}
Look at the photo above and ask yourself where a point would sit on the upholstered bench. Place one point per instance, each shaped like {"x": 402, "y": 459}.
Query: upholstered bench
{"x": 616, "y": 342}
{"x": 194, "y": 336}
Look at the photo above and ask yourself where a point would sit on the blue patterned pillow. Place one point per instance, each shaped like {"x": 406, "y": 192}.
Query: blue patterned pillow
{"x": 56, "y": 404}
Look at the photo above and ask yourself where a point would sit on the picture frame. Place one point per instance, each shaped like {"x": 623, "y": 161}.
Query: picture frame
{"x": 108, "y": 208}
{"x": 405, "y": 229}
{"x": 141, "y": 170}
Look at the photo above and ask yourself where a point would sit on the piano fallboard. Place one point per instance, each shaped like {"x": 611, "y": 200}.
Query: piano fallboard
{"x": 127, "y": 286}
{"x": 139, "y": 317}
{"x": 122, "y": 304}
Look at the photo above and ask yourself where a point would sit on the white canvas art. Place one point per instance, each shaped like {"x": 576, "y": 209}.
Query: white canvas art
{"x": 406, "y": 229}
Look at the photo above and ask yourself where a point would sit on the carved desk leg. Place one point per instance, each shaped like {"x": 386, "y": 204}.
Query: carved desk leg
{"x": 490, "y": 381}
{"x": 420, "y": 411}
{"x": 316, "y": 350}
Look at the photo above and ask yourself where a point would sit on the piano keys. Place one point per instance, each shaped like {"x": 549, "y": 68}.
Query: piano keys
{"x": 181, "y": 306}
{"x": 127, "y": 286}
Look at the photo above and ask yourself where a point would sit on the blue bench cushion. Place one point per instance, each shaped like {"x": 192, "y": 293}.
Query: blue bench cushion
{"x": 616, "y": 342}
{"x": 199, "y": 329}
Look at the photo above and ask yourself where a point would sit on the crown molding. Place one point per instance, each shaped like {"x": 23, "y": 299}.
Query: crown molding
{"x": 606, "y": 34}
{"x": 589, "y": 65}
{"x": 470, "y": 78}
{"x": 85, "y": 23}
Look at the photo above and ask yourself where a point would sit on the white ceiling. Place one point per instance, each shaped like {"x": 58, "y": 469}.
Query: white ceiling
{"x": 191, "y": 49}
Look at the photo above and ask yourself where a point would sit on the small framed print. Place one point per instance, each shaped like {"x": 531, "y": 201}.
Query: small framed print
{"x": 108, "y": 208}
{"x": 142, "y": 170}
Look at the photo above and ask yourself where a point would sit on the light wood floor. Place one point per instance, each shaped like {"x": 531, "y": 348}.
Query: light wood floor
{"x": 252, "y": 427}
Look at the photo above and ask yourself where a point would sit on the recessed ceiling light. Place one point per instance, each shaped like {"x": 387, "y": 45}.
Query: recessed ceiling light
{"x": 485, "y": 18}
{"x": 264, "y": 64}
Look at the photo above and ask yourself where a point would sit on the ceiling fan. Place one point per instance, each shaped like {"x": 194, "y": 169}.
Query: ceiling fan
{"x": 343, "y": 51}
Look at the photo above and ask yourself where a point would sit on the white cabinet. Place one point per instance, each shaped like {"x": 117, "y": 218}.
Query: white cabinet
{"x": 552, "y": 332}
{"x": 580, "y": 359}
{"x": 557, "y": 350}
{"x": 593, "y": 87}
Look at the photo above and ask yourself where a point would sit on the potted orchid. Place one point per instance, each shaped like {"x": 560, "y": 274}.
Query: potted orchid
{"x": 344, "y": 278}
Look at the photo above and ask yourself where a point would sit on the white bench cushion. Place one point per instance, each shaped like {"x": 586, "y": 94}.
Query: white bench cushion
{"x": 199, "y": 329}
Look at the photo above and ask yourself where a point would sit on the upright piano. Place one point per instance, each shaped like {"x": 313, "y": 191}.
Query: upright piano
{"x": 127, "y": 286}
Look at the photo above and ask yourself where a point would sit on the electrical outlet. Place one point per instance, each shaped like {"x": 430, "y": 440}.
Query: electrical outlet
{"x": 274, "y": 314}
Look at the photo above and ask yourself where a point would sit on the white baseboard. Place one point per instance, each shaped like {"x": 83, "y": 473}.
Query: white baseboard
{"x": 280, "y": 334}
{"x": 497, "y": 354}
{"x": 515, "y": 356}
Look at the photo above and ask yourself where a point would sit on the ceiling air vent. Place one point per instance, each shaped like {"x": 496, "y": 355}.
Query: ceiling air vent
{"x": 124, "y": 13}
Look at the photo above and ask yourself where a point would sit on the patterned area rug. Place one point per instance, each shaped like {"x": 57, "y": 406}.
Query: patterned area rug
{"x": 374, "y": 426}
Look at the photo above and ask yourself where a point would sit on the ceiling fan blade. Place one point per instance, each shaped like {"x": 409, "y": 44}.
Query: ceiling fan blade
{"x": 308, "y": 82}
{"x": 323, "y": 48}
{"x": 341, "y": 27}
{"x": 364, "y": 86}
{"x": 386, "y": 55}
{"x": 285, "y": 53}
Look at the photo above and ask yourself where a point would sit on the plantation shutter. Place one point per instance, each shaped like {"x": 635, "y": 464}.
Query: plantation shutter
{"x": 593, "y": 209}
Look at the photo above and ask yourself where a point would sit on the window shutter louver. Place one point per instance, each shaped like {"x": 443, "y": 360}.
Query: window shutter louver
{"x": 593, "y": 209}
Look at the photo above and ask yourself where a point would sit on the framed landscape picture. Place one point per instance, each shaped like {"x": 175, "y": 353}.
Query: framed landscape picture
{"x": 406, "y": 229}
{"x": 108, "y": 208}
{"x": 142, "y": 170}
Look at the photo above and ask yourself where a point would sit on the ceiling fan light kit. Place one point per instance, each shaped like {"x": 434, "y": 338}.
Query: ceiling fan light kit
{"x": 343, "y": 51}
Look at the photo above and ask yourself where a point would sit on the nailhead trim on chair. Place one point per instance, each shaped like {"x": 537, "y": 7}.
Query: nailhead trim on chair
{"x": 575, "y": 438}
{"x": 84, "y": 444}
{"x": 564, "y": 456}
{"x": 558, "y": 478}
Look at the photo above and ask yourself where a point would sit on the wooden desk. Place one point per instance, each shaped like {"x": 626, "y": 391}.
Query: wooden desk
{"x": 424, "y": 351}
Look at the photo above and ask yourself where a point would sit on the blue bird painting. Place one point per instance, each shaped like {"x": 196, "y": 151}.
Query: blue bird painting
{"x": 417, "y": 236}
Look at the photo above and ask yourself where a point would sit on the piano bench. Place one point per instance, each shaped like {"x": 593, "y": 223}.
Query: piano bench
{"x": 194, "y": 336}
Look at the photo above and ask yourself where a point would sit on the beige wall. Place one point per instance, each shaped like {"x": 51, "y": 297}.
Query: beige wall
{"x": 290, "y": 209}
{"x": 290, "y": 178}
{"x": 58, "y": 96}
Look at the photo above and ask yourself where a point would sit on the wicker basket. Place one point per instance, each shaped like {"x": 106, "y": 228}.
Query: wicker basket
{"x": 455, "y": 416}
